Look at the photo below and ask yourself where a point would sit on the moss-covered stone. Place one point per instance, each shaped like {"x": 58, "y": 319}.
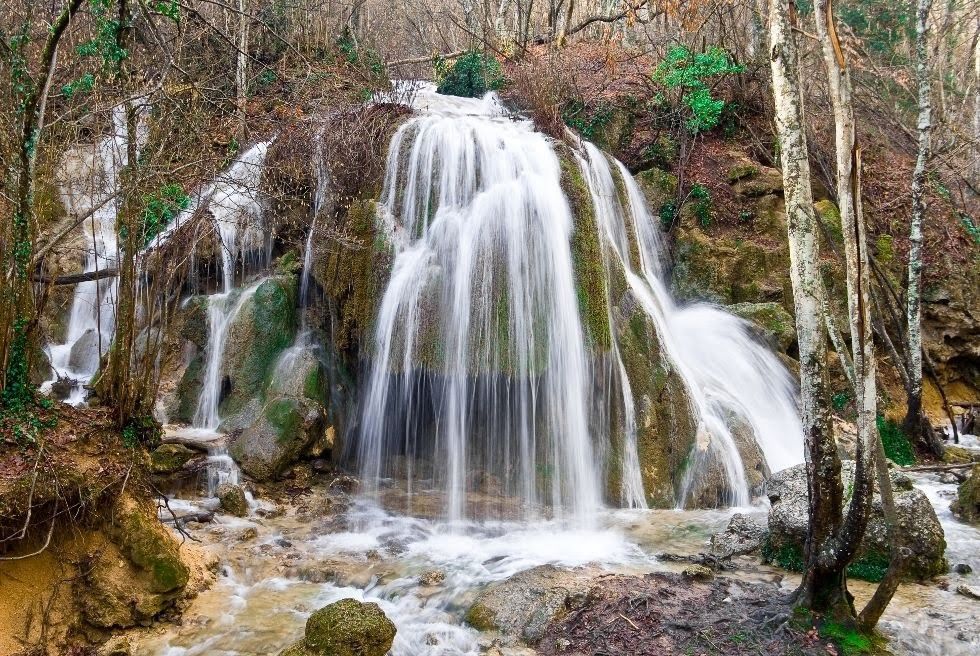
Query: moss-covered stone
{"x": 148, "y": 545}
{"x": 168, "y": 458}
{"x": 232, "y": 499}
{"x": 966, "y": 506}
{"x": 773, "y": 323}
{"x": 264, "y": 326}
{"x": 349, "y": 628}
{"x": 285, "y": 429}
{"x": 658, "y": 187}
{"x": 587, "y": 262}
{"x": 829, "y": 217}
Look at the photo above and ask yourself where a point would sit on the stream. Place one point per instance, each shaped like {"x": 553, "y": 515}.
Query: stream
{"x": 316, "y": 550}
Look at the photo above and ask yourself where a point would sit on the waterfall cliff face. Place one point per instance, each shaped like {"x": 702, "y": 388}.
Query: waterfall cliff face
{"x": 481, "y": 367}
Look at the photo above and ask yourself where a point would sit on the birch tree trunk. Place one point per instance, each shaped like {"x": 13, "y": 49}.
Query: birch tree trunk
{"x": 823, "y": 587}
{"x": 914, "y": 418}
{"x": 869, "y": 447}
{"x": 857, "y": 273}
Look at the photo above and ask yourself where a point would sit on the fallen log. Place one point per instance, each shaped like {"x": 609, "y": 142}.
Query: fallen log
{"x": 75, "y": 278}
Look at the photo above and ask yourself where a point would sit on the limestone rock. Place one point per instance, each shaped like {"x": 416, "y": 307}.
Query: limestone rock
{"x": 967, "y": 503}
{"x": 345, "y": 628}
{"x": 284, "y": 430}
{"x": 742, "y": 536}
{"x": 432, "y": 577}
{"x": 920, "y": 531}
{"x": 169, "y": 458}
{"x": 232, "y": 499}
{"x": 697, "y": 573}
{"x": 524, "y": 605}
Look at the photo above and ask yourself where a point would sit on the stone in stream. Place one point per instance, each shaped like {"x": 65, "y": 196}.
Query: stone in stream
{"x": 169, "y": 458}
{"x": 967, "y": 503}
{"x": 742, "y": 536}
{"x": 345, "y": 628}
{"x": 232, "y": 499}
{"x": 524, "y": 605}
{"x": 921, "y": 532}
{"x": 285, "y": 428}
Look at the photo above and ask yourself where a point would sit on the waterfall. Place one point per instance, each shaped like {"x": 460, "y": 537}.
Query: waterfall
{"x": 236, "y": 208}
{"x": 479, "y": 360}
{"x": 90, "y": 183}
{"x": 727, "y": 374}
{"x": 479, "y": 367}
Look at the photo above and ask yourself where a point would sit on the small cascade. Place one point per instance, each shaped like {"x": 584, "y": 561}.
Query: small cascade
{"x": 91, "y": 182}
{"x": 727, "y": 374}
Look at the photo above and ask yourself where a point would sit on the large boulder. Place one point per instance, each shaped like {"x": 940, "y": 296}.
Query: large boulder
{"x": 967, "y": 503}
{"x": 345, "y": 628}
{"x": 523, "y": 606}
{"x": 919, "y": 528}
{"x": 285, "y": 428}
{"x": 232, "y": 499}
{"x": 169, "y": 458}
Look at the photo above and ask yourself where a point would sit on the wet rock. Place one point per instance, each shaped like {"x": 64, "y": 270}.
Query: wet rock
{"x": 697, "y": 573}
{"x": 967, "y": 503}
{"x": 957, "y": 455}
{"x": 758, "y": 181}
{"x": 116, "y": 646}
{"x": 919, "y": 528}
{"x": 524, "y": 605}
{"x": 962, "y": 568}
{"x": 770, "y": 321}
{"x": 345, "y": 484}
{"x": 968, "y": 592}
{"x": 169, "y": 458}
{"x": 85, "y": 353}
{"x": 345, "y": 628}
{"x": 432, "y": 577}
{"x": 232, "y": 499}
{"x": 248, "y": 534}
{"x": 742, "y": 536}
{"x": 283, "y": 431}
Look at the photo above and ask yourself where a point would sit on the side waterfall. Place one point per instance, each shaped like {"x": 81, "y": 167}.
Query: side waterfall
{"x": 90, "y": 182}
{"x": 479, "y": 361}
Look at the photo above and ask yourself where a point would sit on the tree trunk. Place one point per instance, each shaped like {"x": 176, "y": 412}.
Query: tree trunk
{"x": 823, "y": 587}
{"x": 241, "y": 66}
{"x": 916, "y": 424}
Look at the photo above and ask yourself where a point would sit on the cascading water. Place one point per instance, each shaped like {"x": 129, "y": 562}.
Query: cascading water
{"x": 236, "y": 207}
{"x": 480, "y": 362}
{"x": 91, "y": 180}
{"x": 728, "y": 375}
{"x": 479, "y": 358}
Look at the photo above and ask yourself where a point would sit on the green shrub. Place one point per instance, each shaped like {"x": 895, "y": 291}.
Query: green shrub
{"x": 702, "y": 204}
{"x": 471, "y": 76}
{"x": 896, "y": 442}
{"x": 690, "y": 73}
{"x": 587, "y": 121}
{"x": 668, "y": 213}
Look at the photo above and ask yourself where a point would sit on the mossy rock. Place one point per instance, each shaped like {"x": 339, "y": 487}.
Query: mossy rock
{"x": 147, "y": 544}
{"x": 658, "y": 186}
{"x": 284, "y": 430}
{"x": 232, "y": 499}
{"x": 829, "y": 217}
{"x": 957, "y": 455}
{"x": 189, "y": 389}
{"x": 590, "y": 274}
{"x": 771, "y": 322}
{"x": 349, "y": 628}
{"x": 264, "y": 326}
{"x": 763, "y": 182}
{"x": 169, "y": 458}
{"x": 966, "y": 506}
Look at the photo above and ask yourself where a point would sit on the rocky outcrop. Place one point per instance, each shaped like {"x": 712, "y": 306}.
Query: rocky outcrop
{"x": 919, "y": 529}
{"x": 967, "y": 503}
{"x": 742, "y": 536}
{"x": 170, "y": 458}
{"x": 770, "y": 322}
{"x": 523, "y": 606}
{"x": 345, "y": 628}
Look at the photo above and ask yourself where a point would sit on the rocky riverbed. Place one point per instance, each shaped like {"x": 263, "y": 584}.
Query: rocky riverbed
{"x": 521, "y": 588}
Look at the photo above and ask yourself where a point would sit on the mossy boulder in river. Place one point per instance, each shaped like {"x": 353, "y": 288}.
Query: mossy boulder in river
{"x": 169, "y": 458}
{"x": 967, "y": 503}
{"x": 284, "y": 429}
{"x": 345, "y": 628}
{"x": 919, "y": 528}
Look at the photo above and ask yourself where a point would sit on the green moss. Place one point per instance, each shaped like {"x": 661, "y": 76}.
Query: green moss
{"x": 849, "y": 639}
{"x": 829, "y": 217}
{"x": 898, "y": 449}
{"x": 147, "y": 544}
{"x": 589, "y": 271}
{"x": 472, "y": 75}
{"x": 871, "y": 567}
{"x": 189, "y": 389}
{"x": 284, "y": 416}
{"x": 168, "y": 458}
{"x": 787, "y": 556}
{"x": 314, "y": 385}
{"x": 349, "y": 628}
{"x": 481, "y": 618}
{"x": 740, "y": 171}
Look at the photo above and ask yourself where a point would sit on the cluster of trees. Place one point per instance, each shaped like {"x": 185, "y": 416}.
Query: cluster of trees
{"x": 215, "y": 73}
